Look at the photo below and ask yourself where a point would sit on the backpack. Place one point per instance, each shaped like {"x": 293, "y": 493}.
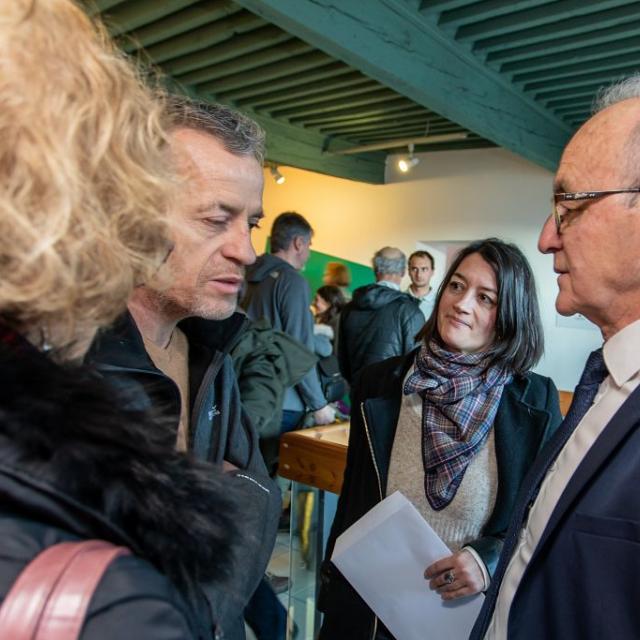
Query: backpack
{"x": 50, "y": 597}
{"x": 334, "y": 386}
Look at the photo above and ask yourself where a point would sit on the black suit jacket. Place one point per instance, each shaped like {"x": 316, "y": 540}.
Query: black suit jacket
{"x": 527, "y": 416}
{"x": 583, "y": 580}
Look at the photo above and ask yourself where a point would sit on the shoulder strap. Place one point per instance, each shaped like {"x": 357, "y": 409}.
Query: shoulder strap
{"x": 49, "y": 599}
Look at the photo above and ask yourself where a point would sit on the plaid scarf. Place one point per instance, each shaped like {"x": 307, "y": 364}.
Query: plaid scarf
{"x": 460, "y": 398}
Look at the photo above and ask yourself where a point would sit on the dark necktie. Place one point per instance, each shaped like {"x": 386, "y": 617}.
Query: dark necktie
{"x": 595, "y": 371}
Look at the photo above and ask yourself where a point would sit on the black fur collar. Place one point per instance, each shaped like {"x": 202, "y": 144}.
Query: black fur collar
{"x": 61, "y": 428}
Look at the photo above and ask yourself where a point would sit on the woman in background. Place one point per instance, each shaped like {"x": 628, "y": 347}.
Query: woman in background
{"x": 327, "y": 305}
{"x": 84, "y": 184}
{"x": 454, "y": 426}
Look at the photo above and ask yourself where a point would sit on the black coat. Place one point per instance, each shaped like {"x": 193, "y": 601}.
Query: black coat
{"x": 219, "y": 430}
{"x": 527, "y": 416}
{"x": 377, "y": 324}
{"x": 73, "y": 466}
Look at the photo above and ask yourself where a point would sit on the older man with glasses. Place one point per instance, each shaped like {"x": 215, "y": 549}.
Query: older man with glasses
{"x": 570, "y": 566}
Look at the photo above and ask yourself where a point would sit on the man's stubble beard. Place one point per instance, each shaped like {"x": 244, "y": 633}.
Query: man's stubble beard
{"x": 191, "y": 306}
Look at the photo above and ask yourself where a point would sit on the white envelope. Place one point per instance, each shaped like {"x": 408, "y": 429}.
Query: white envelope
{"x": 383, "y": 555}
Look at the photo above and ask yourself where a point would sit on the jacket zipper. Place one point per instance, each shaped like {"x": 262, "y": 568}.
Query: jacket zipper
{"x": 207, "y": 380}
{"x": 375, "y": 466}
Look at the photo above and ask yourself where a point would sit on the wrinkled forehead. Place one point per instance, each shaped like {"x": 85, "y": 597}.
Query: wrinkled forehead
{"x": 603, "y": 153}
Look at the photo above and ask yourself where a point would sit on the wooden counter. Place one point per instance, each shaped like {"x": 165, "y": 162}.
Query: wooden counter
{"x": 315, "y": 456}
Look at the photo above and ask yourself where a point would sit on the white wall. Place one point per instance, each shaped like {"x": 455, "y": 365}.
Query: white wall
{"x": 448, "y": 197}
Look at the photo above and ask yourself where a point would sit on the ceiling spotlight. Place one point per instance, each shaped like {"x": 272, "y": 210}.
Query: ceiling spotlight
{"x": 406, "y": 164}
{"x": 277, "y": 176}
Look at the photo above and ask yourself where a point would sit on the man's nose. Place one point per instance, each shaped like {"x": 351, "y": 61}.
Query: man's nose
{"x": 550, "y": 240}
{"x": 239, "y": 246}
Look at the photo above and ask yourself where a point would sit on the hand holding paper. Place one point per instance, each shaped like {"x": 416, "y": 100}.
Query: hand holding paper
{"x": 384, "y": 555}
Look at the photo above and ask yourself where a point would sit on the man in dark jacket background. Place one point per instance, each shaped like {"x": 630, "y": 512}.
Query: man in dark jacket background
{"x": 277, "y": 292}
{"x": 170, "y": 353}
{"x": 380, "y": 321}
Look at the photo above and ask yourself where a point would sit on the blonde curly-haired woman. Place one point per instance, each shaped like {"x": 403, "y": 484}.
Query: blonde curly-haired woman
{"x": 84, "y": 182}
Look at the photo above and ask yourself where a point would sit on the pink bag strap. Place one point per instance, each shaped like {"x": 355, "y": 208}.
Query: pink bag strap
{"x": 49, "y": 599}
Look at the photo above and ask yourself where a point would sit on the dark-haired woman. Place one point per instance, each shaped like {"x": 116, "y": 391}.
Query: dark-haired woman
{"x": 455, "y": 425}
{"x": 327, "y": 304}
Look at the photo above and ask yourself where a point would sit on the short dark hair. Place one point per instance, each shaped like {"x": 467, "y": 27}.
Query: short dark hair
{"x": 286, "y": 227}
{"x": 334, "y": 296}
{"x": 238, "y": 133}
{"x": 519, "y": 342}
{"x": 422, "y": 254}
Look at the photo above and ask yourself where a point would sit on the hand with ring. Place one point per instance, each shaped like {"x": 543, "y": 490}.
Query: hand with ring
{"x": 456, "y": 576}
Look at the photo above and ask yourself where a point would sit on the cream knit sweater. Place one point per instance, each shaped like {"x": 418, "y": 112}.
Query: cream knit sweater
{"x": 464, "y": 517}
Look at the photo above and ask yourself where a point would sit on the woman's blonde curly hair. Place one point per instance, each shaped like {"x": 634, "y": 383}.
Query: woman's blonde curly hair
{"x": 85, "y": 181}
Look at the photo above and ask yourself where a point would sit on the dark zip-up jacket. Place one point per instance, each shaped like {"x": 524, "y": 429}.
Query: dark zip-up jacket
{"x": 378, "y": 323}
{"x": 219, "y": 430}
{"x": 527, "y": 416}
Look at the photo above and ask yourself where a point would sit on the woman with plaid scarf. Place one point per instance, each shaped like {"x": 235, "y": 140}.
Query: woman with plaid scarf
{"x": 455, "y": 425}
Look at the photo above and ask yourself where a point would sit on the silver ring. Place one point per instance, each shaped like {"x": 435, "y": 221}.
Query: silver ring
{"x": 449, "y": 577}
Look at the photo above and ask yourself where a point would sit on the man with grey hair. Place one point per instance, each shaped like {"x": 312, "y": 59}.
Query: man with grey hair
{"x": 571, "y": 559}
{"x": 169, "y": 352}
{"x": 380, "y": 321}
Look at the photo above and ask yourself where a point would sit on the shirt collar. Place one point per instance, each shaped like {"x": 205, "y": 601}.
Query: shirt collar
{"x": 427, "y": 296}
{"x": 621, "y": 353}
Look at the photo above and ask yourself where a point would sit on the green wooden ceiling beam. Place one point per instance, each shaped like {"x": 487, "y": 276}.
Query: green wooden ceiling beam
{"x": 387, "y": 108}
{"x": 420, "y": 120}
{"x": 210, "y": 34}
{"x": 234, "y": 47}
{"x": 378, "y": 117}
{"x": 388, "y": 43}
{"x": 567, "y": 91}
{"x": 381, "y": 94}
{"x": 553, "y": 45}
{"x": 437, "y": 6}
{"x": 307, "y": 61}
{"x": 309, "y": 92}
{"x": 292, "y": 146}
{"x": 400, "y": 126}
{"x": 481, "y": 11}
{"x": 560, "y": 29}
{"x": 573, "y": 109}
{"x": 583, "y": 54}
{"x": 296, "y": 147}
{"x": 417, "y": 133}
{"x": 390, "y": 134}
{"x": 539, "y": 16}
{"x": 426, "y": 124}
{"x": 584, "y": 98}
{"x": 194, "y": 16}
{"x": 577, "y": 113}
{"x": 610, "y": 64}
{"x": 581, "y": 79}
{"x": 328, "y": 71}
{"x": 130, "y": 15}
{"x": 455, "y": 145}
{"x": 245, "y": 63}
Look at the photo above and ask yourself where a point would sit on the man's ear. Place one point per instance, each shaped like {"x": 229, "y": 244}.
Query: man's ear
{"x": 297, "y": 242}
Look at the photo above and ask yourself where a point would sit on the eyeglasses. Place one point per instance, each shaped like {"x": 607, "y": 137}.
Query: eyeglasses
{"x": 560, "y": 211}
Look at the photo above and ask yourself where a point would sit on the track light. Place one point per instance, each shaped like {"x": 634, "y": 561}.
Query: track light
{"x": 277, "y": 176}
{"x": 406, "y": 164}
